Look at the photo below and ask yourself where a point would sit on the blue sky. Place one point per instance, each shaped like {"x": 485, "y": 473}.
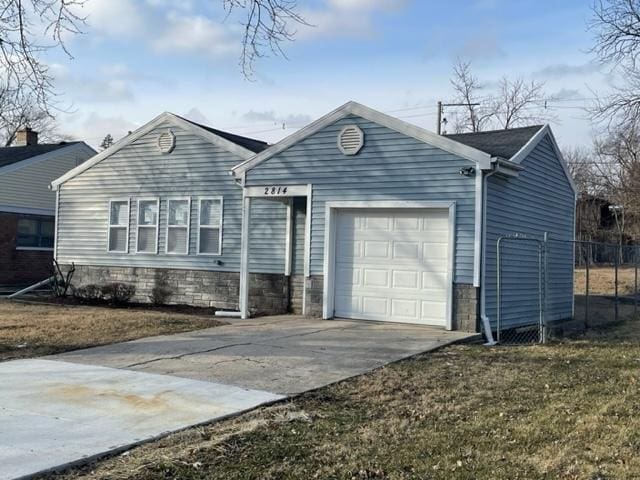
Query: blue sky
{"x": 138, "y": 58}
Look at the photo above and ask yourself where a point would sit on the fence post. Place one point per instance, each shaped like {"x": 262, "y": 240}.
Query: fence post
{"x": 615, "y": 281}
{"x": 544, "y": 278}
{"x": 635, "y": 282}
{"x": 586, "y": 299}
{"x": 498, "y": 280}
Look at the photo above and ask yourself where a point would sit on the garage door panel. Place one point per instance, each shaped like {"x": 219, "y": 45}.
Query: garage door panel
{"x": 375, "y": 306}
{"x": 375, "y": 278}
{"x": 392, "y": 265}
{"x": 376, "y": 249}
{"x": 407, "y": 224}
{"x": 406, "y": 250}
{"x": 434, "y": 280}
{"x": 405, "y": 279}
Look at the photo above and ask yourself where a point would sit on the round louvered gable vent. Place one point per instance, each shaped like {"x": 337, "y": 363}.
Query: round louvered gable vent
{"x": 166, "y": 141}
{"x": 351, "y": 140}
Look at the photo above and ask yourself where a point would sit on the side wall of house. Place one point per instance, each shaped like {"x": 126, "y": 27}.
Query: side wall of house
{"x": 196, "y": 169}
{"x": 539, "y": 200}
{"x": 28, "y": 187}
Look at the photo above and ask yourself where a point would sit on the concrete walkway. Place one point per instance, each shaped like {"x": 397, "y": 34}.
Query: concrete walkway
{"x": 280, "y": 354}
{"x": 68, "y": 408}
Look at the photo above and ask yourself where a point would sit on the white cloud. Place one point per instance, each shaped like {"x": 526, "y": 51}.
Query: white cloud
{"x": 114, "y": 17}
{"x": 347, "y": 18}
{"x": 194, "y": 34}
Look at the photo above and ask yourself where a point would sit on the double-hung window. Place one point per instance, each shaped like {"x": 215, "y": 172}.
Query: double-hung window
{"x": 148, "y": 216}
{"x": 118, "y": 236}
{"x": 210, "y": 226}
{"x": 178, "y": 216}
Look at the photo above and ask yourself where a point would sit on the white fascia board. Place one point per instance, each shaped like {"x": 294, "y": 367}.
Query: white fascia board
{"x": 145, "y": 129}
{"x": 46, "y": 156}
{"x": 528, "y": 147}
{"x": 352, "y": 108}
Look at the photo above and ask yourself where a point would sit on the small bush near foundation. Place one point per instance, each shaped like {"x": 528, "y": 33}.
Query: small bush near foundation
{"x": 159, "y": 295}
{"x": 115, "y": 293}
{"x": 88, "y": 293}
{"x": 118, "y": 293}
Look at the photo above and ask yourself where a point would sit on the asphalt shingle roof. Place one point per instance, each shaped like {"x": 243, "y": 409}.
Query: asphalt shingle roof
{"x": 498, "y": 143}
{"x": 249, "y": 143}
{"x": 10, "y": 155}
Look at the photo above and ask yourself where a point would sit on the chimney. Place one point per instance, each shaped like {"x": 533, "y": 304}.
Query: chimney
{"x": 25, "y": 136}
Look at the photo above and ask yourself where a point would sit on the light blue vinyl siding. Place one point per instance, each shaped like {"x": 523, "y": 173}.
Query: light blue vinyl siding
{"x": 539, "y": 200}
{"x": 196, "y": 168}
{"x": 391, "y": 166}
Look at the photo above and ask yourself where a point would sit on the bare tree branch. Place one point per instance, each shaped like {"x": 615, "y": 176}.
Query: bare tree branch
{"x": 268, "y": 24}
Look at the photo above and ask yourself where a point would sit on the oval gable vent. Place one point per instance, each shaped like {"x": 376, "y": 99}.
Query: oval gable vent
{"x": 351, "y": 140}
{"x": 166, "y": 141}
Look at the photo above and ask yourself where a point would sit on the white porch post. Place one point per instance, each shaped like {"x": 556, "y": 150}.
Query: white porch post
{"x": 244, "y": 259}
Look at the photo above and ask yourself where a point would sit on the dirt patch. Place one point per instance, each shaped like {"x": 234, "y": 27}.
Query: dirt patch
{"x": 33, "y": 329}
{"x": 565, "y": 410}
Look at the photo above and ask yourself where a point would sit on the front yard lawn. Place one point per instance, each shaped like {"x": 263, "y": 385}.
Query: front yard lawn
{"x": 31, "y": 329}
{"x": 568, "y": 410}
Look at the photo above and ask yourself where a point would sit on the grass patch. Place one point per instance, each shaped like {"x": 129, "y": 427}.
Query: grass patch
{"x": 29, "y": 330}
{"x": 602, "y": 280}
{"x": 567, "y": 410}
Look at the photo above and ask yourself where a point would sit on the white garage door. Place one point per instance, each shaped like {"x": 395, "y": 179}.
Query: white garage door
{"x": 392, "y": 265}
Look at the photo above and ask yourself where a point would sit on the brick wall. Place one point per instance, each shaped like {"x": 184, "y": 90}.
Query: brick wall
{"x": 20, "y": 267}
{"x": 314, "y": 286}
{"x": 296, "y": 287}
{"x": 466, "y": 313}
{"x": 268, "y": 293}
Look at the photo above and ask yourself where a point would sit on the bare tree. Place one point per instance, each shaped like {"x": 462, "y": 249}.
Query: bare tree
{"x": 267, "y": 25}
{"x": 28, "y": 28}
{"x": 468, "y": 91}
{"x": 518, "y": 102}
{"x": 616, "y": 27}
{"x": 21, "y": 116}
{"x": 617, "y": 165}
{"x": 514, "y": 103}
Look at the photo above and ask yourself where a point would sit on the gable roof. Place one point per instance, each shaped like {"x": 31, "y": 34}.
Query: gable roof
{"x": 232, "y": 143}
{"x": 11, "y": 155}
{"x": 498, "y": 143}
{"x": 246, "y": 142}
{"x": 352, "y": 108}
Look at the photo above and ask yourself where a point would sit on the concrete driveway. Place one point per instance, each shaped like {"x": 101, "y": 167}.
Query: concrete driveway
{"x": 68, "y": 408}
{"x": 281, "y": 354}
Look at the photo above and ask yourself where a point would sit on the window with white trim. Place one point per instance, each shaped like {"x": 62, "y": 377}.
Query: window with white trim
{"x": 118, "y": 235}
{"x": 147, "y": 238}
{"x": 178, "y": 215}
{"x": 210, "y": 226}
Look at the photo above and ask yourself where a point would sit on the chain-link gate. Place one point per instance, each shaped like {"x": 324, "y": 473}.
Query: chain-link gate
{"x": 520, "y": 280}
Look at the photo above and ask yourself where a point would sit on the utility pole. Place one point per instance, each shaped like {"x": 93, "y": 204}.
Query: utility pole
{"x": 441, "y": 110}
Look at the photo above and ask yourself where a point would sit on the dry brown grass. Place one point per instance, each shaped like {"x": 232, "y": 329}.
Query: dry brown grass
{"x": 567, "y": 411}
{"x": 28, "y": 330}
{"x": 601, "y": 281}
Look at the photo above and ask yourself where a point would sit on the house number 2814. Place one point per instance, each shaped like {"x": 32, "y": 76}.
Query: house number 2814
{"x": 275, "y": 190}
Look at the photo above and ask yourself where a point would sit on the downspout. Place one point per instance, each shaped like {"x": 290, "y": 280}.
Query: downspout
{"x": 483, "y": 315}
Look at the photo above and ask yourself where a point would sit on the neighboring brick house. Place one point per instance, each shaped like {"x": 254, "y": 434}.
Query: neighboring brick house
{"x": 27, "y": 204}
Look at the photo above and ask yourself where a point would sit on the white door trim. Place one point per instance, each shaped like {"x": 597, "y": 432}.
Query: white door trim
{"x": 328, "y": 268}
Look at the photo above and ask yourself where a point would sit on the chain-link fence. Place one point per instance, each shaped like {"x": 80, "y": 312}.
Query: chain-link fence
{"x": 546, "y": 287}
{"x": 606, "y": 283}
